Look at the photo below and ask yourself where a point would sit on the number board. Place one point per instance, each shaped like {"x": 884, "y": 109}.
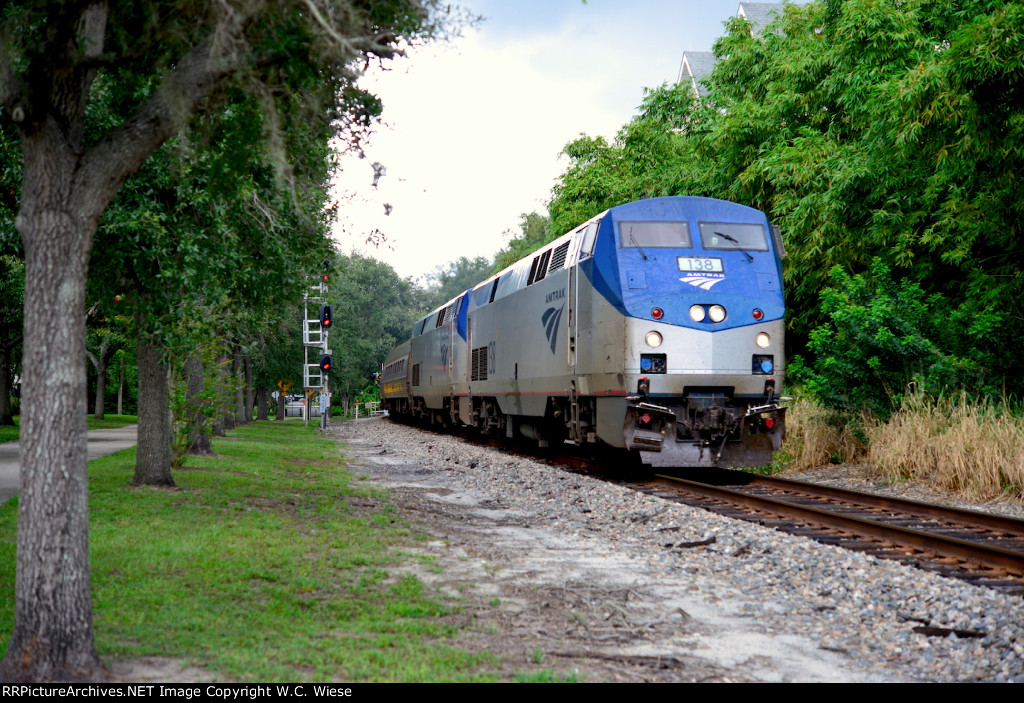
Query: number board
{"x": 700, "y": 264}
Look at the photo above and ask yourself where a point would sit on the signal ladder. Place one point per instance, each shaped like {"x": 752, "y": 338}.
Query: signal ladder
{"x": 315, "y": 332}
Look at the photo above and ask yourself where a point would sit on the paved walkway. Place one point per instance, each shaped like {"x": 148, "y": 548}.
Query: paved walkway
{"x": 101, "y": 443}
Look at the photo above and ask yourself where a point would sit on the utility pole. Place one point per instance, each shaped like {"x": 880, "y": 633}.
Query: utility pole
{"x": 315, "y": 333}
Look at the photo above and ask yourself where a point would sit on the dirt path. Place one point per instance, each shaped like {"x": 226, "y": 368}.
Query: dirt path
{"x": 553, "y": 604}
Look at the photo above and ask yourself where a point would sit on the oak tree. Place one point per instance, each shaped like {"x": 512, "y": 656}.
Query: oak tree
{"x": 51, "y": 53}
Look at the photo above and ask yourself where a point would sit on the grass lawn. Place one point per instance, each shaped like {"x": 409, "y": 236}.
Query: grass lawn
{"x": 265, "y": 564}
{"x": 10, "y": 434}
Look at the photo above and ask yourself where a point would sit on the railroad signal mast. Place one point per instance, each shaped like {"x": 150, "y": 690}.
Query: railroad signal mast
{"x": 315, "y": 333}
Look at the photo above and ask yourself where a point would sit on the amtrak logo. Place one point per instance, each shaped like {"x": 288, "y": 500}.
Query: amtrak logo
{"x": 703, "y": 281}
{"x": 550, "y": 320}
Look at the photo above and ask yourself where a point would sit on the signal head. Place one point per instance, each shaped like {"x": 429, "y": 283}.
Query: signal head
{"x": 326, "y": 362}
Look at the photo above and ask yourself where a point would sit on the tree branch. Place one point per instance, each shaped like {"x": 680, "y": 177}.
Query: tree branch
{"x": 125, "y": 148}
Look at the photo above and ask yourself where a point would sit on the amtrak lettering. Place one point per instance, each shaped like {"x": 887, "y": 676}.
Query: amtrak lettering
{"x": 555, "y": 295}
{"x": 704, "y": 280}
{"x": 550, "y": 320}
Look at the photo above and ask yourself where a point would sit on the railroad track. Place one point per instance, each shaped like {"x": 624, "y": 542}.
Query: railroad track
{"x": 980, "y": 548}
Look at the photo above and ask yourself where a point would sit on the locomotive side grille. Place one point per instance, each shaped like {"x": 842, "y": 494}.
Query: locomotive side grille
{"x": 558, "y": 258}
{"x": 415, "y": 374}
{"x": 533, "y": 271}
{"x": 539, "y": 267}
{"x": 478, "y": 371}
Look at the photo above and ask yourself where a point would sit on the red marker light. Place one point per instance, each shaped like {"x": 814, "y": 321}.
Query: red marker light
{"x": 645, "y": 418}
{"x": 657, "y": 313}
{"x": 769, "y": 423}
{"x": 758, "y": 314}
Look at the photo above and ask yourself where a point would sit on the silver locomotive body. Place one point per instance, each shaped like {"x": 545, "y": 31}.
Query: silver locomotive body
{"x": 657, "y": 326}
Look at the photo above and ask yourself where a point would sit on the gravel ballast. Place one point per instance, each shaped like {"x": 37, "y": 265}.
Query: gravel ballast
{"x": 632, "y": 596}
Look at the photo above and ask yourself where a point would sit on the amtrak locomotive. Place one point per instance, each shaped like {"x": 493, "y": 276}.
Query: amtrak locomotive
{"x": 657, "y": 326}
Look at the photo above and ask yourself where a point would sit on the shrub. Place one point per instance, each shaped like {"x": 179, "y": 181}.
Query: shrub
{"x": 882, "y": 336}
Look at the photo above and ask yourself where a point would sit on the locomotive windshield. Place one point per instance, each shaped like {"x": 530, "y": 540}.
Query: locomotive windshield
{"x": 643, "y": 235}
{"x": 730, "y": 235}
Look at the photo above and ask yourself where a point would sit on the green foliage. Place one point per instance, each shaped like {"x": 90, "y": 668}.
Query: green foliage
{"x": 880, "y": 336}
{"x": 456, "y": 278}
{"x": 867, "y": 130}
{"x": 534, "y": 232}
{"x": 373, "y": 311}
{"x": 12, "y": 293}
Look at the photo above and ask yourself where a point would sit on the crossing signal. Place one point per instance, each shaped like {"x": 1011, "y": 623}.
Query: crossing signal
{"x": 326, "y": 275}
{"x": 326, "y": 315}
{"x": 325, "y": 362}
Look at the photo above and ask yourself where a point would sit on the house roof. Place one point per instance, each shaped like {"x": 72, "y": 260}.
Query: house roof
{"x": 759, "y": 14}
{"x": 695, "y": 67}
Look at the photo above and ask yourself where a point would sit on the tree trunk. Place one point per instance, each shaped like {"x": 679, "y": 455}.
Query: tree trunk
{"x": 120, "y": 389}
{"x": 153, "y": 455}
{"x": 198, "y": 438}
{"x": 101, "y": 390}
{"x": 65, "y": 188}
{"x": 282, "y": 401}
{"x": 249, "y": 401}
{"x": 53, "y": 637}
{"x": 222, "y": 417}
{"x": 6, "y": 415}
{"x": 227, "y": 392}
{"x": 100, "y": 362}
{"x": 262, "y": 412}
{"x": 238, "y": 372}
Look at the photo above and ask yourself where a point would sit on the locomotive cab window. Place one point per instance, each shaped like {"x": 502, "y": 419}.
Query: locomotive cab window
{"x": 730, "y": 235}
{"x": 588, "y": 237}
{"x": 654, "y": 235}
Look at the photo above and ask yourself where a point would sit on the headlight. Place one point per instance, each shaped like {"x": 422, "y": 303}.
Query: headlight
{"x": 716, "y": 313}
{"x": 697, "y": 313}
{"x": 654, "y": 339}
{"x": 762, "y": 340}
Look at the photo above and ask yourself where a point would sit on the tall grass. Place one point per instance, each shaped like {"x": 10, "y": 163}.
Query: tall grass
{"x": 957, "y": 443}
{"x": 816, "y": 436}
{"x": 969, "y": 446}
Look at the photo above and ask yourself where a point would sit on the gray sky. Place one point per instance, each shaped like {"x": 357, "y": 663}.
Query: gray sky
{"x": 473, "y": 129}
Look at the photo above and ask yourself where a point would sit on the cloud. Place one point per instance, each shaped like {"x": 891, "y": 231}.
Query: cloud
{"x": 470, "y": 142}
{"x": 473, "y": 130}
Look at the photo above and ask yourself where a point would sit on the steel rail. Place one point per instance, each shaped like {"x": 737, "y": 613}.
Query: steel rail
{"x": 970, "y": 517}
{"x": 989, "y": 556}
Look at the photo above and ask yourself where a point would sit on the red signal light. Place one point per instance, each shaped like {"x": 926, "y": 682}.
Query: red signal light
{"x": 326, "y": 315}
{"x": 325, "y": 362}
